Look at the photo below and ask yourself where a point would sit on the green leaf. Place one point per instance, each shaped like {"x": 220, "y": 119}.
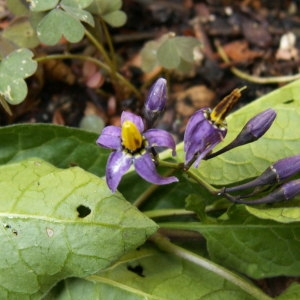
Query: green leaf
{"x": 101, "y": 7}
{"x": 152, "y": 275}
{"x": 292, "y": 293}
{"x": 59, "y": 145}
{"x": 18, "y": 7}
{"x": 76, "y": 3}
{"x": 110, "y": 11}
{"x": 250, "y": 160}
{"x": 61, "y": 24}
{"x": 13, "y": 69}
{"x": 174, "y": 50}
{"x": 255, "y": 247}
{"x": 79, "y": 14}
{"x": 288, "y": 214}
{"x": 21, "y": 32}
{"x": 58, "y": 223}
{"x": 116, "y": 18}
{"x": 38, "y": 5}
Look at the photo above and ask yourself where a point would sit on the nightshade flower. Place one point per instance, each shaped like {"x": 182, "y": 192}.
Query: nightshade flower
{"x": 156, "y": 100}
{"x": 132, "y": 145}
{"x": 207, "y": 128}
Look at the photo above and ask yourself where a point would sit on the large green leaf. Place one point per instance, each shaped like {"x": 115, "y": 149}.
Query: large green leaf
{"x": 150, "y": 274}
{"x": 59, "y": 145}
{"x": 58, "y": 223}
{"x": 255, "y": 247}
{"x": 14, "y": 68}
{"x": 283, "y": 139}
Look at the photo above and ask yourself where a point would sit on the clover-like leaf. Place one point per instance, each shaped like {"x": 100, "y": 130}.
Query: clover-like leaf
{"x": 61, "y": 24}
{"x": 75, "y": 9}
{"x": 13, "y": 69}
{"x": 174, "y": 50}
{"x": 21, "y": 32}
{"x": 58, "y": 223}
{"x": 110, "y": 11}
{"x": 18, "y": 7}
{"x": 38, "y": 5}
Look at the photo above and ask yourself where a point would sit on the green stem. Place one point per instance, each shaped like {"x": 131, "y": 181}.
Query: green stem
{"x": 202, "y": 182}
{"x": 164, "y": 244}
{"x": 157, "y": 213}
{"x": 252, "y": 78}
{"x": 99, "y": 47}
{"x": 145, "y": 195}
{"x": 110, "y": 44}
{"x": 148, "y": 192}
{"x": 95, "y": 61}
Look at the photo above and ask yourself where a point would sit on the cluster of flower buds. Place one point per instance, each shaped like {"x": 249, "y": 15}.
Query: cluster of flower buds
{"x": 276, "y": 174}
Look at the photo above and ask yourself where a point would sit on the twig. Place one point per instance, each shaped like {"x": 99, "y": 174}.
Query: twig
{"x": 252, "y": 78}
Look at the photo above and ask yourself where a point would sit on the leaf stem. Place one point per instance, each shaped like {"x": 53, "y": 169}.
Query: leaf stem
{"x": 251, "y": 78}
{"x": 148, "y": 192}
{"x": 164, "y": 244}
{"x": 95, "y": 61}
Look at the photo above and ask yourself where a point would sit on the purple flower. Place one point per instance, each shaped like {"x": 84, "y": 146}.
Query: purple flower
{"x": 201, "y": 136}
{"x": 207, "y": 128}
{"x": 132, "y": 145}
{"x": 156, "y": 100}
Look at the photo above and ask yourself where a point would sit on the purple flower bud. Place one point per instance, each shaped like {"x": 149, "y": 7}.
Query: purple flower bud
{"x": 286, "y": 192}
{"x": 252, "y": 131}
{"x": 276, "y": 173}
{"x": 257, "y": 126}
{"x": 156, "y": 100}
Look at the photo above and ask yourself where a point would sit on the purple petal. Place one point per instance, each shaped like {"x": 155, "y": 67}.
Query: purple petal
{"x": 118, "y": 163}
{"x": 146, "y": 168}
{"x": 137, "y": 120}
{"x": 193, "y": 122}
{"x": 110, "y": 138}
{"x": 202, "y": 139}
{"x": 160, "y": 138}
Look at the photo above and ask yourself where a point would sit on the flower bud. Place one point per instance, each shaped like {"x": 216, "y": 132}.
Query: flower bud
{"x": 275, "y": 174}
{"x": 286, "y": 192}
{"x": 156, "y": 100}
{"x": 252, "y": 131}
